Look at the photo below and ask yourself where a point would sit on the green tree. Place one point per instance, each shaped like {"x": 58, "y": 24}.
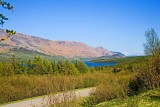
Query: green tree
{"x": 149, "y": 72}
{"x": 70, "y": 68}
{"x": 60, "y": 66}
{"x": 16, "y": 65}
{"x": 7, "y": 69}
{"x": 49, "y": 68}
{"x": 54, "y": 67}
{"x": 37, "y": 65}
{"x": 46, "y": 67}
{"x": 82, "y": 67}
{"x": 152, "y": 42}
{"x": 23, "y": 67}
{"x": 29, "y": 67}
{"x": 5, "y": 5}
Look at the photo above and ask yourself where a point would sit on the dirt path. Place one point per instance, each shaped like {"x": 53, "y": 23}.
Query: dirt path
{"x": 40, "y": 102}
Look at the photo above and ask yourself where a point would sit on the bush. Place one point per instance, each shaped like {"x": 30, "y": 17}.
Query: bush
{"x": 116, "y": 70}
{"x": 6, "y": 69}
{"x": 148, "y": 76}
{"x": 111, "y": 86}
{"x": 17, "y": 87}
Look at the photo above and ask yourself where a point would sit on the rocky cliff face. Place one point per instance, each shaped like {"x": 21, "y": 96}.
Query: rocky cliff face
{"x": 50, "y": 47}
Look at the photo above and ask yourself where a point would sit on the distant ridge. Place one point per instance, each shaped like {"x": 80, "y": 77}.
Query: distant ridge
{"x": 51, "y": 47}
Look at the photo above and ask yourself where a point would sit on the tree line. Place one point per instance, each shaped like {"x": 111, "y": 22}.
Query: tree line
{"x": 42, "y": 66}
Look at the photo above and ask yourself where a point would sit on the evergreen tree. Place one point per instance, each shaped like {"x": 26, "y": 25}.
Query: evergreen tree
{"x": 60, "y": 66}
{"x": 16, "y": 65}
{"x": 82, "y": 67}
{"x": 49, "y": 68}
{"x": 46, "y": 67}
{"x": 37, "y": 65}
{"x": 70, "y": 69}
{"x": 23, "y": 67}
{"x": 54, "y": 67}
{"x": 29, "y": 67}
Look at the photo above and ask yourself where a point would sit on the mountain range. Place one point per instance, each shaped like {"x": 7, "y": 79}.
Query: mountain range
{"x": 51, "y": 47}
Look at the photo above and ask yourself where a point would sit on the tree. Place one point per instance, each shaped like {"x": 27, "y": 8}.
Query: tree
{"x": 37, "y": 65}
{"x": 5, "y": 5}
{"x": 46, "y": 67}
{"x": 70, "y": 69}
{"x": 16, "y": 65}
{"x": 82, "y": 67}
{"x": 6, "y": 69}
{"x": 152, "y": 42}
{"x": 54, "y": 67}
{"x": 60, "y": 66}
{"x": 149, "y": 72}
{"x": 23, "y": 67}
{"x": 29, "y": 66}
{"x": 3, "y": 18}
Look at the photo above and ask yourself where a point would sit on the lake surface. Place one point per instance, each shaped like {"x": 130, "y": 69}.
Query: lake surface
{"x": 99, "y": 64}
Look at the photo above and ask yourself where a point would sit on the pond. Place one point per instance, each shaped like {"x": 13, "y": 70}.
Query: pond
{"x": 99, "y": 64}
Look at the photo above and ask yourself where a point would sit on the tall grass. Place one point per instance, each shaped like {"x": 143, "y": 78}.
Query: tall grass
{"x": 143, "y": 76}
{"x": 19, "y": 87}
{"x": 66, "y": 99}
{"x": 111, "y": 86}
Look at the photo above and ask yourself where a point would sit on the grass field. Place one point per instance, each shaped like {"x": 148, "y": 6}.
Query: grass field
{"x": 146, "y": 99}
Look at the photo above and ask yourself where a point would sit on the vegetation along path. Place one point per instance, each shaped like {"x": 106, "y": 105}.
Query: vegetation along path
{"x": 42, "y": 101}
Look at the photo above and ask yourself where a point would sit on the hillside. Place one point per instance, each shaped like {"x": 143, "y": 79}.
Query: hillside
{"x": 146, "y": 99}
{"x": 50, "y": 47}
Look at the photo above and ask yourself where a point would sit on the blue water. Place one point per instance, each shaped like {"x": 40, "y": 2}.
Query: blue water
{"x": 99, "y": 64}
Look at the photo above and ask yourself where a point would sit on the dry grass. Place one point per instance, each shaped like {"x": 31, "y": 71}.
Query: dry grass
{"x": 111, "y": 86}
{"x": 19, "y": 87}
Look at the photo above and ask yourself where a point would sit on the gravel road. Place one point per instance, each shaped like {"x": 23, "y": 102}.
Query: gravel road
{"x": 42, "y": 101}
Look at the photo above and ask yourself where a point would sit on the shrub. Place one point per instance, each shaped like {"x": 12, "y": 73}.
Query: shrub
{"x": 82, "y": 67}
{"x": 6, "y": 69}
{"x": 115, "y": 70}
{"x": 111, "y": 86}
{"x": 17, "y": 87}
{"x": 148, "y": 75}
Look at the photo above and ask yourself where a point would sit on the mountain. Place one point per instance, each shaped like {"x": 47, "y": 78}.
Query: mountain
{"x": 117, "y": 54}
{"x": 114, "y": 55}
{"x": 103, "y": 51}
{"x": 50, "y": 47}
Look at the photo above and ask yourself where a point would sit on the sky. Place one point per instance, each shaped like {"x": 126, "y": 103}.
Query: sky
{"x": 117, "y": 25}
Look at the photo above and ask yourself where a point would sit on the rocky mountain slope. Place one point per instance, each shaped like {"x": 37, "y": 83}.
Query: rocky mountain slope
{"x": 50, "y": 47}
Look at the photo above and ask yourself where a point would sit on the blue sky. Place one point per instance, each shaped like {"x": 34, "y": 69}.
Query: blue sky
{"x": 117, "y": 25}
